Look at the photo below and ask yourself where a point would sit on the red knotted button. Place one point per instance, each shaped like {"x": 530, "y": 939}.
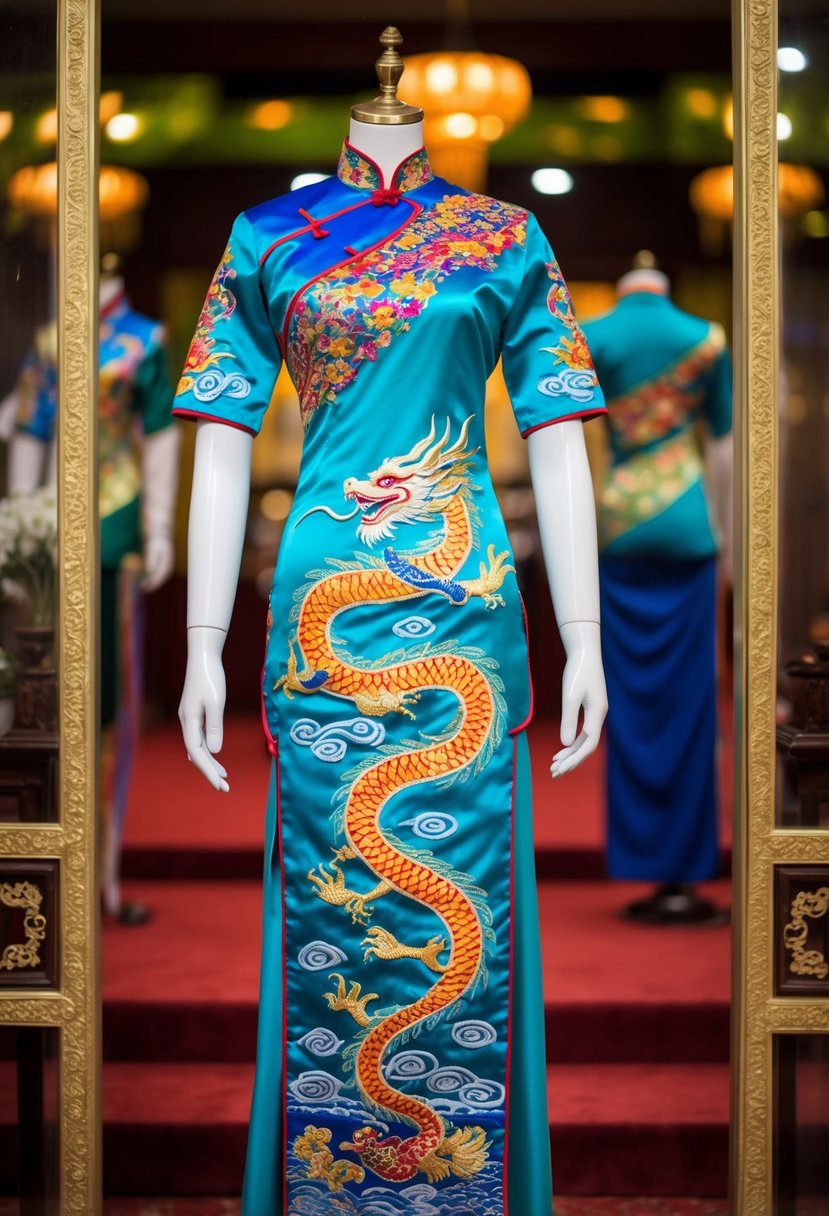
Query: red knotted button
{"x": 317, "y": 230}
{"x": 381, "y": 197}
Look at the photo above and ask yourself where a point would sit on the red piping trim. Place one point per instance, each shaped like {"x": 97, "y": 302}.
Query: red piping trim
{"x": 317, "y": 230}
{"x": 195, "y": 415}
{"x": 118, "y": 300}
{"x": 400, "y": 165}
{"x": 585, "y": 416}
{"x": 284, "y": 993}
{"x": 508, "y": 1069}
{"x": 265, "y": 725}
{"x": 523, "y": 725}
{"x": 309, "y": 228}
{"x": 416, "y": 209}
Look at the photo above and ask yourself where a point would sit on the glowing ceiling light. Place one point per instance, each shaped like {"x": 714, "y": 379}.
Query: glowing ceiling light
{"x": 604, "y": 109}
{"x": 6, "y": 123}
{"x": 784, "y": 126}
{"x": 123, "y": 127}
{"x": 491, "y": 127}
{"x": 790, "y": 59}
{"x": 308, "y": 179}
{"x": 271, "y": 115}
{"x": 110, "y": 104}
{"x": 46, "y": 131}
{"x": 552, "y": 181}
{"x": 460, "y": 125}
{"x": 441, "y": 76}
{"x": 701, "y": 103}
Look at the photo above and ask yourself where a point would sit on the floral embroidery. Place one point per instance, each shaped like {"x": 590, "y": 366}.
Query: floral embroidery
{"x": 646, "y": 485}
{"x": 356, "y": 310}
{"x": 357, "y": 170}
{"x": 578, "y": 377}
{"x": 201, "y": 375}
{"x": 663, "y": 405}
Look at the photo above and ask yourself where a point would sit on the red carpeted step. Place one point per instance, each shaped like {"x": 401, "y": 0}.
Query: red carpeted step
{"x": 181, "y": 1129}
{"x": 205, "y": 835}
{"x": 184, "y": 987}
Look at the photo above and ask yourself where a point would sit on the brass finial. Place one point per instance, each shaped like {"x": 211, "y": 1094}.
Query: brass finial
{"x": 387, "y": 108}
{"x": 645, "y": 260}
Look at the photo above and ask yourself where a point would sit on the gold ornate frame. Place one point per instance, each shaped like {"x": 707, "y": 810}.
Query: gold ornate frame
{"x": 760, "y": 847}
{"x": 74, "y": 1006}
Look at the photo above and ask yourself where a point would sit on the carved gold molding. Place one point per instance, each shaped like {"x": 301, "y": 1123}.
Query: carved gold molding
{"x": 80, "y": 1068}
{"x": 756, "y": 282}
{"x": 28, "y": 896}
{"x": 811, "y": 905}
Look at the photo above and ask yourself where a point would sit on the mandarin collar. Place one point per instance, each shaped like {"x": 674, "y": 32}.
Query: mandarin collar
{"x": 360, "y": 171}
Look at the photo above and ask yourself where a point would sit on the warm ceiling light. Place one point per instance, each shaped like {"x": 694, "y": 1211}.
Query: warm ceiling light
{"x": 271, "y": 115}
{"x": 784, "y": 126}
{"x": 728, "y": 118}
{"x": 441, "y": 76}
{"x": 308, "y": 179}
{"x": 552, "y": 181}
{"x": 445, "y": 83}
{"x": 563, "y": 139}
{"x": 491, "y": 127}
{"x": 790, "y": 59}
{"x": 111, "y": 103}
{"x": 701, "y": 103}
{"x": 123, "y": 127}
{"x": 46, "y": 130}
{"x": 34, "y": 190}
{"x": 6, "y": 123}
{"x": 460, "y": 125}
{"x": 604, "y": 109}
{"x": 800, "y": 190}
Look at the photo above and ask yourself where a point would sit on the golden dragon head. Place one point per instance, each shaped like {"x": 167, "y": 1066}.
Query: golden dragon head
{"x": 414, "y": 488}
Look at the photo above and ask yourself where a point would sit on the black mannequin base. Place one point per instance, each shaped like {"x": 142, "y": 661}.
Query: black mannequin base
{"x": 676, "y": 904}
{"x": 133, "y": 915}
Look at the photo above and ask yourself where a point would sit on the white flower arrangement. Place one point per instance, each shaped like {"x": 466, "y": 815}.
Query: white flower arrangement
{"x": 28, "y": 549}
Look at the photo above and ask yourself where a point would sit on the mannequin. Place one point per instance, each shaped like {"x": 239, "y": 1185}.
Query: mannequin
{"x": 421, "y": 475}
{"x": 134, "y": 384}
{"x": 657, "y": 568}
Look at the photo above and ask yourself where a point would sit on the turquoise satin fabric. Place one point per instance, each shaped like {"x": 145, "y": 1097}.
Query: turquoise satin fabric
{"x": 529, "y": 1177}
{"x": 396, "y": 674}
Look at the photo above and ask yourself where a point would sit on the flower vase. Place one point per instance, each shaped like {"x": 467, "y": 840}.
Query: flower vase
{"x": 36, "y": 689}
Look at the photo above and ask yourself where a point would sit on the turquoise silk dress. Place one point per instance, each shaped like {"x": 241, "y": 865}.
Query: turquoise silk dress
{"x": 401, "y": 1064}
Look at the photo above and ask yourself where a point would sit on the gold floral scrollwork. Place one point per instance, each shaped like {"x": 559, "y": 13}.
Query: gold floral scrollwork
{"x": 812, "y": 905}
{"x": 24, "y": 895}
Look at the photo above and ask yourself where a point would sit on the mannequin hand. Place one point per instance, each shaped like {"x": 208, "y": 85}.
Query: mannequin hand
{"x": 583, "y": 687}
{"x": 159, "y": 554}
{"x": 203, "y": 702}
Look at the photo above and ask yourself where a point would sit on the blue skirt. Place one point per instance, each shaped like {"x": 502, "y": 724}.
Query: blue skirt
{"x": 529, "y": 1182}
{"x": 659, "y": 648}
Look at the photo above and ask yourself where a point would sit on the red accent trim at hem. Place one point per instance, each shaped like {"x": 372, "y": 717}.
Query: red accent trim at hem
{"x": 584, "y": 415}
{"x": 523, "y": 725}
{"x": 416, "y": 209}
{"x": 196, "y": 415}
{"x": 508, "y": 1065}
{"x": 284, "y": 992}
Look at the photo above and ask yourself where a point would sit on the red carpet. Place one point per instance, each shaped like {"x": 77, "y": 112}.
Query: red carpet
{"x": 637, "y": 1018}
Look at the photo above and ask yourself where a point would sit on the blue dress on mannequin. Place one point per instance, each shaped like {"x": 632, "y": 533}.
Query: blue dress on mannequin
{"x": 401, "y": 1032}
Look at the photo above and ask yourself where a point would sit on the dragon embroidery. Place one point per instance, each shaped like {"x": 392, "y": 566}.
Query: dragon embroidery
{"x": 431, "y": 483}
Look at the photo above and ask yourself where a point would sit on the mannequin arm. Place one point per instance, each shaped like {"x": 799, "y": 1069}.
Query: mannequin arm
{"x": 719, "y": 460}
{"x": 27, "y": 461}
{"x": 218, "y": 516}
{"x": 159, "y": 471}
{"x": 567, "y": 525}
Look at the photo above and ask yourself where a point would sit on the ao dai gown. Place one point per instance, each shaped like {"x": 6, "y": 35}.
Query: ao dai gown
{"x": 400, "y": 987}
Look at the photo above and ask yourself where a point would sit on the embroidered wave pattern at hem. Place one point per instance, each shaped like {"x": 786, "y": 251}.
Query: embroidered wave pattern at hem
{"x": 577, "y": 377}
{"x": 354, "y": 312}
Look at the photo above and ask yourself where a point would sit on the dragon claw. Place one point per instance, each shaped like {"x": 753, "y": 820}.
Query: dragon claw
{"x": 350, "y": 1001}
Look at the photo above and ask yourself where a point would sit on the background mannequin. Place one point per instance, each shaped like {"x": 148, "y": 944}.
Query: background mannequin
{"x": 137, "y": 502}
{"x": 662, "y": 371}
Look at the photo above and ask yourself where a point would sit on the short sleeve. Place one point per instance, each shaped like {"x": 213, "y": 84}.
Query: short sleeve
{"x": 718, "y": 398}
{"x": 153, "y": 389}
{"x": 36, "y": 393}
{"x": 547, "y": 365}
{"x": 234, "y": 358}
